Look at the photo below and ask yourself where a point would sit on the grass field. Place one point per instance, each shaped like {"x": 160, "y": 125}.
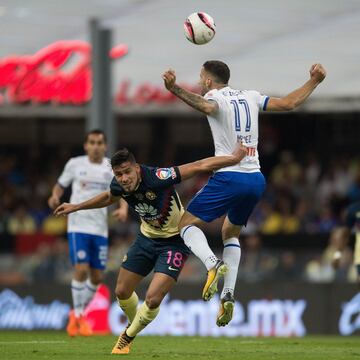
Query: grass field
{"x": 56, "y": 345}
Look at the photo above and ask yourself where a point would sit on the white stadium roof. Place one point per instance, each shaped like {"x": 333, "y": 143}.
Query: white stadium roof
{"x": 269, "y": 45}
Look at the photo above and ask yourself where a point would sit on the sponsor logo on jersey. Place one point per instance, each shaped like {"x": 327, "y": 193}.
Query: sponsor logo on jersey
{"x": 165, "y": 173}
{"x": 145, "y": 210}
{"x": 150, "y": 195}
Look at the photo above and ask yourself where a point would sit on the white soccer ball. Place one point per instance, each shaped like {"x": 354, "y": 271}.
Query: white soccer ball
{"x": 199, "y": 28}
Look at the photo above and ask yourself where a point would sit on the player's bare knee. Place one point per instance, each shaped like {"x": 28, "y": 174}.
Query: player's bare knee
{"x": 122, "y": 292}
{"x": 81, "y": 273}
{"x": 153, "y": 301}
{"x": 228, "y": 233}
{"x": 182, "y": 223}
{"x": 96, "y": 277}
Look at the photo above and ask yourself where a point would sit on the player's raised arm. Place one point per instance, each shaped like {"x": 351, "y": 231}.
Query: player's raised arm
{"x": 196, "y": 101}
{"x": 213, "y": 163}
{"x": 102, "y": 200}
{"x": 298, "y": 96}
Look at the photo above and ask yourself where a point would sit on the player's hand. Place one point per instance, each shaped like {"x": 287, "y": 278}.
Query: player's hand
{"x": 240, "y": 151}
{"x": 65, "y": 209}
{"x": 169, "y": 78}
{"x": 120, "y": 214}
{"x": 53, "y": 202}
{"x": 317, "y": 73}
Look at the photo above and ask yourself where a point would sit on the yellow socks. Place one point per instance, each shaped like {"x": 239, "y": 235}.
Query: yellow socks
{"x": 129, "y": 306}
{"x": 143, "y": 317}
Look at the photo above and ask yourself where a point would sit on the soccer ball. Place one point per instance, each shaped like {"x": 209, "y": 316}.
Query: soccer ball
{"x": 199, "y": 28}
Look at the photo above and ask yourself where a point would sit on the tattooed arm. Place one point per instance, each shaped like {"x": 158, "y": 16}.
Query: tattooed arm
{"x": 194, "y": 100}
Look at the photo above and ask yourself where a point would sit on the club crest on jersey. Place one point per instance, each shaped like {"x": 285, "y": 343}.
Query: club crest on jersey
{"x": 165, "y": 173}
{"x": 81, "y": 254}
{"x": 150, "y": 195}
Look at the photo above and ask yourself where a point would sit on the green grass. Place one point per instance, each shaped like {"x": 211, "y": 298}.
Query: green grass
{"x": 56, "y": 345}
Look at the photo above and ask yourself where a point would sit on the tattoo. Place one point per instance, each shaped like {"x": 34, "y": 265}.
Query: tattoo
{"x": 194, "y": 100}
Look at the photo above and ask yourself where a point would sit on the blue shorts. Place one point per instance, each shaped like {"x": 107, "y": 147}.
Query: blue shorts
{"x": 228, "y": 192}
{"x": 88, "y": 249}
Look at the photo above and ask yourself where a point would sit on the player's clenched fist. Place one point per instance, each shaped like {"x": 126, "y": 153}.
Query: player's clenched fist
{"x": 317, "y": 72}
{"x": 169, "y": 78}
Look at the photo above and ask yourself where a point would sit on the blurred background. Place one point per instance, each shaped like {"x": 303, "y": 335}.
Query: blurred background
{"x": 52, "y": 91}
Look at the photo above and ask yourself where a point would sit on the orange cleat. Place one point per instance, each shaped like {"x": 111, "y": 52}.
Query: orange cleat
{"x": 123, "y": 344}
{"x": 72, "y": 326}
{"x": 84, "y": 327}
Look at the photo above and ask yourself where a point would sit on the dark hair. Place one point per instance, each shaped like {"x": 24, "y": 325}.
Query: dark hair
{"x": 121, "y": 156}
{"x": 95, "y": 132}
{"x": 219, "y": 70}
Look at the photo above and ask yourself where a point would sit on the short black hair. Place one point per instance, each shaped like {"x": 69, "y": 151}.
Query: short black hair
{"x": 219, "y": 70}
{"x": 95, "y": 132}
{"x": 121, "y": 156}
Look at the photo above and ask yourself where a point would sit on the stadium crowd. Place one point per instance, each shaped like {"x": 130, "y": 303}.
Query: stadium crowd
{"x": 306, "y": 196}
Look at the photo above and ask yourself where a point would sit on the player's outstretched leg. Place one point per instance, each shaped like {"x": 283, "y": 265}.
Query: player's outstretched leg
{"x": 146, "y": 313}
{"x": 213, "y": 276}
{"x": 226, "y": 310}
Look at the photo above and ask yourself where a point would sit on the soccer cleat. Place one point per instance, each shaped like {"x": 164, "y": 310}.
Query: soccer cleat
{"x": 123, "y": 344}
{"x": 213, "y": 276}
{"x": 226, "y": 310}
{"x": 72, "y": 326}
{"x": 84, "y": 327}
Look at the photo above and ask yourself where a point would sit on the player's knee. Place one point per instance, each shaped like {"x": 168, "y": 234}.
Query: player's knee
{"x": 230, "y": 231}
{"x": 153, "y": 301}
{"x": 186, "y": 219}
{"x": 97, "y": 278}
{"x": 122, "y": 292}
{"x": 182, "y": 224}
{"x": 81, "y": 273}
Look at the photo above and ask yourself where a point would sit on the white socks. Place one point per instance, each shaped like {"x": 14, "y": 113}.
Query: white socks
{"x": 196, "y": 241}
{"x": 82, "y": 293}
{"x": 231, "y": 257}
{"x": 89, "y": 292}
{"x": 77, "y": 289}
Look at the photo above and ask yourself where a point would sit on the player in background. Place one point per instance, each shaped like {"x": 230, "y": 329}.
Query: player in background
{"x": 87, "y": 231}
{"x": 352, "y": 220}
{"x": 151, "y": 193}
{"x": 233, "y": 191}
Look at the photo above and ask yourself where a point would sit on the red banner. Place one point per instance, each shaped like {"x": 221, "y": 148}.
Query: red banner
{"x": 61, "y": 74}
